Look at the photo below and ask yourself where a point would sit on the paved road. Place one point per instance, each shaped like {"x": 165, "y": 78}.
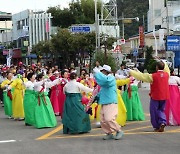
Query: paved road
{"x": 16, "y": 138}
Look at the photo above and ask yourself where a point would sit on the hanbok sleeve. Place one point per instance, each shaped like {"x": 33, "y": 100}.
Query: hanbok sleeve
{"x": 13, "y": 84}
{"x": 178, "y": 80}
{"x": 84, "y": 88}
{"x": 104, "y": 80}
{"x": 52, "y": 83}
{"x": 37, "y": 84}
{"x": 166, "y": 68}
{"x": 146, "y": 77}
{"x": 122, "y": 82}
{"x": 3, "y": 84}
{"x": 28, "y": 85}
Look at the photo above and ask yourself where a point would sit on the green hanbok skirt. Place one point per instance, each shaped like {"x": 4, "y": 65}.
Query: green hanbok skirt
{"x": 7, "y": 104}
{"x": 133, "y": 105}
{"x": 29, "y": 106}
{"x": 75, "y": 119}
{"x": 44, "y": 114}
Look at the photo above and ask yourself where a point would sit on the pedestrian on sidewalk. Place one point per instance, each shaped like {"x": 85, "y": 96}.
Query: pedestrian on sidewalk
{"x": 159, "y": 93}
{"x": 108, "y": 100}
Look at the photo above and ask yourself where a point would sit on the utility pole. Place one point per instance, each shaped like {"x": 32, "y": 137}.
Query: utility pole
{"x": 6, "y": 32}
{"x": 122, "y": 19}
{"x": 167, "y": 16}
{"x": 96, "y": 25}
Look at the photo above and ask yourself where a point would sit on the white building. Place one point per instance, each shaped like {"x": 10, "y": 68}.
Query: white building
{"x": 5, "y": 28}
{"x": 157, "y": 14}
{"x": 30, "y": 27}
{"x": 176, "y": 16}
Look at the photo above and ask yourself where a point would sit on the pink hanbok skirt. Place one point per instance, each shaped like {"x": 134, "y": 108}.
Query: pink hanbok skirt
{"x": 172, "y": 109}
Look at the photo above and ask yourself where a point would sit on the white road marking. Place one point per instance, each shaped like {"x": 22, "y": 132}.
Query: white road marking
{"x": 7, "y": 141}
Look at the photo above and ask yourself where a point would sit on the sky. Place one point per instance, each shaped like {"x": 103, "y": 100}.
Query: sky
{"x": 15, "y": 6}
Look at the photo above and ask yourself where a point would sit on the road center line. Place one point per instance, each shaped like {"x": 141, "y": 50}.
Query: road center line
{"x": 50, "y": 133}
{"x": 7, "y": 141}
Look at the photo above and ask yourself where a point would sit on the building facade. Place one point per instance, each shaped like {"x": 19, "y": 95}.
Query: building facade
{"x": 29, "y": 28}
{"x": 160, "y": 16}
{"x": 176, "y": 21}
{"x": 5, "y": 28}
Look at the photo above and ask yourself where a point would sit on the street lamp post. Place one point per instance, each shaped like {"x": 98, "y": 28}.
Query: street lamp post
{"x": 123, "y": 19}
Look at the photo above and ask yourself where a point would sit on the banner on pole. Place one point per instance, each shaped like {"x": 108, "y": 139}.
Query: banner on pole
{"x": 141, "y": 36}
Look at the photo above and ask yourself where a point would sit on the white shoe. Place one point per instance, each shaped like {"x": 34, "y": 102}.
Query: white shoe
{"x": 98, "y": 124}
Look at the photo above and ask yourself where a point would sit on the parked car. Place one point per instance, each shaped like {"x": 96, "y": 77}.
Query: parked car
{"x": 130, "y": 64}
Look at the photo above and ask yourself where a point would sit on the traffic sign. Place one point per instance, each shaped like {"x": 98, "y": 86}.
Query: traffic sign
{"x": 117, "y": 48}
{"x": 173, "y": 43}
{"x": 2, "y": 47}
{"x": 122, "y": 41}
{"x": 80, "y": 29}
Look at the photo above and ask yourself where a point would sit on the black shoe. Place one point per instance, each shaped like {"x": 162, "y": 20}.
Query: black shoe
{"x": 161, "y": 129}
{"x": 26, "y": 124}
{"x": 156, "y": 130}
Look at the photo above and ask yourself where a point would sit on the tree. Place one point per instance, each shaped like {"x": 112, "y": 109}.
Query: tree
{"x": 41, "y": 49}
{"x": 131, "y": 9}
{"x": 79, "y": 12}
{"x": 61, "y": 18}
{"x": 100, "y": 56}
{"x": 61, "y": 46}
{"x": 149, "y": 61}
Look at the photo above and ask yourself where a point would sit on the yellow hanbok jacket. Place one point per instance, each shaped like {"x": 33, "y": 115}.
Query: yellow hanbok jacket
{"x": 5, "y": 82}
{"x": 17, "y": 97}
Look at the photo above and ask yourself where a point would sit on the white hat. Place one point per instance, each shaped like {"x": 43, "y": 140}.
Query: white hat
{"x": 106, "y": 68}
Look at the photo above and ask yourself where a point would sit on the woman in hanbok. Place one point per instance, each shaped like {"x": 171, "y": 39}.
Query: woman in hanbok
{"x": 55, "y": 94}
{"x": 133, "y": 103}
{"x": 44, "y": 114}
{"x": 75, "y": 119}
{"x": 172, "y": 109}
{"x": 88, "y": 82}
{"x": 18, "y": 96}
{"x": 122, "y": 112}
{"x": 65, "y": 79}
{"x": 7, "y": 95}
{"x": 30, "y": 100}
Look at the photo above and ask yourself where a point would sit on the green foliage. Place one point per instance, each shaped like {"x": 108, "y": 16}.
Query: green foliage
{"x": 150, "y": 62}
{"x": 67, "y": 46}
{"x": 79, "y": 12}
{"x": 109, "y": 60}
{"x": 42, "y": 48}
{"x": 131, "y": 9}
{"x": 149, "y": 52}
{"x": 151, "y": 68}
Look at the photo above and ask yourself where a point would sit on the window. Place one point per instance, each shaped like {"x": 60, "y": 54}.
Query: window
{"x": 177, "y": 20}
{"x": 171, "y": 19}
{"x": 157, "y": 13}
{"x": 157, "y": 27}
{"x": 18, "y": 25}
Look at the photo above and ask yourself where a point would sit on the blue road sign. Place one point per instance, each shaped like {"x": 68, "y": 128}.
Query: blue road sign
{"x": 173, "y": 43}
{"x": 80, "y": 29}
{"x": 2, "y": 47}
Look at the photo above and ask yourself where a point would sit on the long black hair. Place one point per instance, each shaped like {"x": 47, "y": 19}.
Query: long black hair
{"x": 39, "y": 76}
{"x": 29, "y": 76}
